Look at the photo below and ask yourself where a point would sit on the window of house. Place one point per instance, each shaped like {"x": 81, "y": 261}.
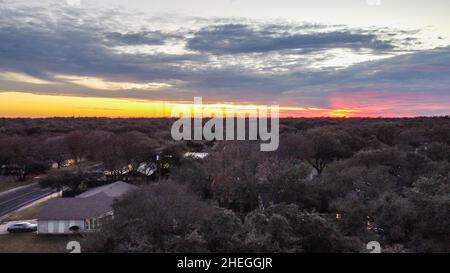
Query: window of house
{"x": 91, "y": 224}
{"x": 87, "y": 224}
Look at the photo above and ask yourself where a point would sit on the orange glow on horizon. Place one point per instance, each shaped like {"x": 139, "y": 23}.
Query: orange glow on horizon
{"x": 18, "y": 104}
{"x": 387, "y": 104}
{"x": 343, "y": 113}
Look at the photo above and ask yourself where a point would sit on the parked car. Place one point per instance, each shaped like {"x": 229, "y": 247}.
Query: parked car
{"x": 22, "y": 227}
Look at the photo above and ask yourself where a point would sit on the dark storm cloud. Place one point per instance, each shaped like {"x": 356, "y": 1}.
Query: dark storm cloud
{"x": 138, "y": 38}
{"x": 238, "y": 38}
{"x": 42, "y": 47}
{"x": 418, "y": 72}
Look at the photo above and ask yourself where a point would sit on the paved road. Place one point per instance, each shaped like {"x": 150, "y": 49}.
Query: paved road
{"x": 12, "y": 201}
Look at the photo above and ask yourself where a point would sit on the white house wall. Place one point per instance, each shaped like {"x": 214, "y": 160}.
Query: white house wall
{"x": 59, "y": 226}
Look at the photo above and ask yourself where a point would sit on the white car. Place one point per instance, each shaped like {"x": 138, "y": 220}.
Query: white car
{"x": 22, "y": 227}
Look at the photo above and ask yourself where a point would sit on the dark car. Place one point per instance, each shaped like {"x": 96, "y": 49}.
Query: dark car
{"x": 22, "y": 227}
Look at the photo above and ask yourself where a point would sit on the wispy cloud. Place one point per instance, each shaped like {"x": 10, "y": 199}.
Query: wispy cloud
{"x": 22, "y": 78}
{"x": 101, "y": 84}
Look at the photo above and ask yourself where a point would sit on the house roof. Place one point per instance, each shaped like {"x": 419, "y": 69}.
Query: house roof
{"x": 147, "y": 169}
{"x": 113, "y": 190}
{"x": 76, "y": 208}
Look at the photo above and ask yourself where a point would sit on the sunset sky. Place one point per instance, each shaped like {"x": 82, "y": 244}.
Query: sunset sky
{"x": 140, "y": 58}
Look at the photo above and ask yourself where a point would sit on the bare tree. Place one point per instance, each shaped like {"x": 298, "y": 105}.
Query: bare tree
{"x": 137, "y": 147}
{"x": 76, "y": 143}
{"x": 319, "y": 148}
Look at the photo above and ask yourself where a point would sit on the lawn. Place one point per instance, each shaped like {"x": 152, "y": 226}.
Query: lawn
{"x": 26, "y": 214}
{"x": 10, "y": 182}
{"x": 33, "y": 243}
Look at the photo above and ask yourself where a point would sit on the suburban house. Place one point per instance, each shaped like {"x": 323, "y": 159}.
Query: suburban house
{"x": 114, "y": 190}
{"x": 83, "y": 213}
{"x": 144, "y": 173}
